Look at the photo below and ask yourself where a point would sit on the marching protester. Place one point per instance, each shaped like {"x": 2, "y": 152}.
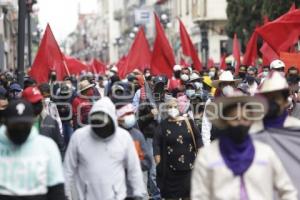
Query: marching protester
{"x": 31, "y": 167}
{"x": 278, "y": 129}
{"x": 175, "y": 150}
{"x": 46, "y": 124}
{"x": 101, "y": 160}
{"x": 232, "y": 167}
{"x": 225, "y": 85}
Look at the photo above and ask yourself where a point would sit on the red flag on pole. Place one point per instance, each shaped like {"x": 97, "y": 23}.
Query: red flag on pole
{"x": 75, "y": 66}
{"x": 251, "y": 51}
{"x": 49, "y": 57}
{"x": 188, "y": 48}
{"x": 139, "y": 56}
{"x": 163, "y": 59}
{"x": 236, "y": 53}
{"x": 97, "y": 67}
{"x": 223, "y": 65}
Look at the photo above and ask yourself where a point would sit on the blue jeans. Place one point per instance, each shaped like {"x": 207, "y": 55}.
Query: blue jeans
{"x": 152, "y": 186}
{"x": 67, "y": 131}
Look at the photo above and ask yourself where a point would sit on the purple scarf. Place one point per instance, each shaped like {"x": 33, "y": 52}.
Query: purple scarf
{"x": 276, "y": 122}
{"x": 237, "y": 157}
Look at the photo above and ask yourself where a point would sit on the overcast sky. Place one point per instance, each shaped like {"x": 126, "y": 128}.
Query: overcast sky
{"x": 63, "y": 14}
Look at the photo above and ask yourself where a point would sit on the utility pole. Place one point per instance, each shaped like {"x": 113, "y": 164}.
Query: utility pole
{"x": 21, "y": 41}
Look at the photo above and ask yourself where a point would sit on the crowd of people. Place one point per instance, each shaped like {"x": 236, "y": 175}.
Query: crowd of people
{"x": 214, "y": 134}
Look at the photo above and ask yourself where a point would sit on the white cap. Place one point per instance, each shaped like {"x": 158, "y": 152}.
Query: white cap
{"x": 177, "y": 68}
{"x": 275, "y": 64}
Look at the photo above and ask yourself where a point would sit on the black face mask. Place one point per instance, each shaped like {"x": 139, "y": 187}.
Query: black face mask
{"x": 237, "y": 134}
{"x": 53, "y": 77}
{"x": 37, "y": 108}
{"x": 148, "y": 78}
{"x": 274, "y": 110}
{"x": 242, "y": 75}
{"x": 177, "y": 74}
{"x": 250, "y": 79}
{"x": 18, "y": 133}
{"x": 101, "y": 130}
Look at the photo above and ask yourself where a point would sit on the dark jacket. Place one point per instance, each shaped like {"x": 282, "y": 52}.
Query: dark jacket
{"x": 50, "y": 128}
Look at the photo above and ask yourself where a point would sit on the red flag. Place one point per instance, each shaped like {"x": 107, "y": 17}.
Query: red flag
{"x": 121, "y": 64}
{"x": 236, "y": 53}
{"x": 163, "y": 59}
{"x": 139, "y": 56}
{"x": 97, "y": 67}
{"x": 293, "y": 7}
{"x": 251, "y": 50}
{"x": 188, "y": 48}
{"x": 183, "y": 63}
{"x": 223, "y": 65}
{"x": 48, "y": 57}
{"x": 75, "y": 66}
{"x": 268, "y": 54}
{"x": 210, "y": 63}
{"x": 283, "y": 32}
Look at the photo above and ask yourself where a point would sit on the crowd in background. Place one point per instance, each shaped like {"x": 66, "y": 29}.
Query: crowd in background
{"x": 148, "y": 136}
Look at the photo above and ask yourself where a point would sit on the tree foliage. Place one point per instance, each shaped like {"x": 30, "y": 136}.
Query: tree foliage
{"x": 245, "y": 15}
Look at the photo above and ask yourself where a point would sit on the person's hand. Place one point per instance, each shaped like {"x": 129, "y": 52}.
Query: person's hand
{"x": 154, "y": 112}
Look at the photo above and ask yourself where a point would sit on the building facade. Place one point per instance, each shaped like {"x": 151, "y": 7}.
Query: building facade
{"x": 109, "y": 33}
{"x": 8, "y": 34}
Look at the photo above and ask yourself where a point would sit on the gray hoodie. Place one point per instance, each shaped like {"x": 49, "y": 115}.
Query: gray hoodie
{"x": 100, "y": 168}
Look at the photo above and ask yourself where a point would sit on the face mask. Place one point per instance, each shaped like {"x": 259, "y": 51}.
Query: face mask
{"x": 274, "y": 110}
{"x": 38, "y": 108}
{"x": 173, "y": 112}
{"x": 250, "y": 79}
{"x": 237, "y": 134}
{"x": 104, "y": 127}
{"x": 190, "y": 93}
{"x": 227, "y": 90}
{"x": 53, "y": 77}
{"x": 129, "y": 121}
{"x": 211, "y": 74}
{"x": 184, "y": 77}
{"x": 265, "y": 73}
{"x": 177, "y": 74}
{"x": 18, "y": 134}
{"x": 242, "y": 75}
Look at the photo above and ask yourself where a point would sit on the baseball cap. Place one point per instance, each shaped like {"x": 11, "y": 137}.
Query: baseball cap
{"x": 32, "y": 95}
{"x": 275, "y": 64}
{"x": 15, "y": 87}
{"x": 19, "y": 111}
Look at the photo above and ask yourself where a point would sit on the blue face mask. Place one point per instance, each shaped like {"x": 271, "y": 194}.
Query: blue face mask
{"x": 190, "y": 93}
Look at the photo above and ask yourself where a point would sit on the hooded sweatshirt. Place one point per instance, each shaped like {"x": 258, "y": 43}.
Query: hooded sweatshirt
{"x": 29, "y": 171}
{"x": 101, "y": 167}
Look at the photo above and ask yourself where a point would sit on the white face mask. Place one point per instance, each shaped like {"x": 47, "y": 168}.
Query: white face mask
{"x": 184, "y": 77}
{"x": 227, "y": 90}
{"x": 211, "y": 74}
{"x": 173, "y": 112}
{"x": 129, "y": 121}
{"x": 265, "y": 74}
{"x": 190, "y": 92}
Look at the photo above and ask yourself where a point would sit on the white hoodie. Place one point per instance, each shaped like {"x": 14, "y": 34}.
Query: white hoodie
{"x": 100, "y": 167}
